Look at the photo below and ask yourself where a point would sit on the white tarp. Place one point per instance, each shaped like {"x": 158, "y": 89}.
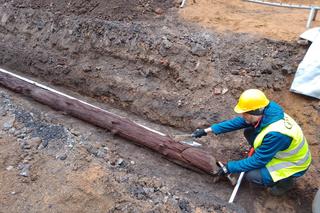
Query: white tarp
{"x": 307, "y": 77}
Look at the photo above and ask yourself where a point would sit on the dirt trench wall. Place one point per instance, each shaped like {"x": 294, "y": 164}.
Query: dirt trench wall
{"x": 108, "y": 10}
{"x": 184, "y": 77}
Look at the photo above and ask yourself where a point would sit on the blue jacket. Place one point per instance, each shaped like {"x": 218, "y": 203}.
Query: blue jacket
{"x": 272, "y": 143}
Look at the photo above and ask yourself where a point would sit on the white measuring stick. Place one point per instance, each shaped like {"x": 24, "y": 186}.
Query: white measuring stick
{"x": 235, "y": 190}
{"x": 182, "y": 4}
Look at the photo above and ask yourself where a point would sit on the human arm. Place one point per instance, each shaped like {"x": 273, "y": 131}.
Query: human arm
{"x": 222, "y": 127}
{"x": 229, "y": 125}
{"x": 272, "y": 143}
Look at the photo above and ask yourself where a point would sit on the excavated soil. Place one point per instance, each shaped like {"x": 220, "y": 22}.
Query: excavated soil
{"x": 145, "y": 60}
{"x": 280, "y": 23}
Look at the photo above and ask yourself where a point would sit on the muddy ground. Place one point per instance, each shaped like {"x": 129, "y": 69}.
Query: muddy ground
{"x": 149, "y": 62}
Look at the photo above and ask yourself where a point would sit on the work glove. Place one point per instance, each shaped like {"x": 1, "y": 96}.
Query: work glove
{"x": 198, "y": 133}
{"x": 223, "y": 170}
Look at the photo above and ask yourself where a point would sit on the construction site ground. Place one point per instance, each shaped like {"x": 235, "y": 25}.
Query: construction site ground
{"x": 169, "y": 68}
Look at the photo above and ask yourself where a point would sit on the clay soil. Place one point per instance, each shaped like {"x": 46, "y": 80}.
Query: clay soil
{"x": 169, "y": 68}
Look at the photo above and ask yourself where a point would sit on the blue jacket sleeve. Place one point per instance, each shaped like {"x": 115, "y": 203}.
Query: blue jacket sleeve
{"x": 272, "y": 143}
{"x": 229, "y": 125}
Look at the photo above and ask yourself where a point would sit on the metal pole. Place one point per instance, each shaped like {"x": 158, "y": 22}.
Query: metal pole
{"x": 311, "y": 17}
{"x": 313, "y": 9}
{"x": 276, "y": 4}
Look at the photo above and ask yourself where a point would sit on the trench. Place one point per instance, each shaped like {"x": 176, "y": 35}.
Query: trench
{"x": 163, "y": 70}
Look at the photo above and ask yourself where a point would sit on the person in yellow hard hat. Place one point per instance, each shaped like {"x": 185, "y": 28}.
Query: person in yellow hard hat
{"x": 281, "y": 150}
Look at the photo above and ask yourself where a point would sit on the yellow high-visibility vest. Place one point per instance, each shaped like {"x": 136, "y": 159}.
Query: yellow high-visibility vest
{"x": 295, "y": 158}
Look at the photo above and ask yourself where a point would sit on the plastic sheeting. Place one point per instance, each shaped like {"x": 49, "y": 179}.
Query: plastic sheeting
{"x": 307, "y": 77}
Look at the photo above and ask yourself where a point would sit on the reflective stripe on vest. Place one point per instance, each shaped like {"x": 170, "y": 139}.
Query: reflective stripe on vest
{"x": 281, "y": 154}
{"x": 288, "y": 164}
{"x": 295, "y": 158}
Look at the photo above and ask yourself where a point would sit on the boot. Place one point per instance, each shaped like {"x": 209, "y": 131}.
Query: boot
{"x": 282, "y": 186}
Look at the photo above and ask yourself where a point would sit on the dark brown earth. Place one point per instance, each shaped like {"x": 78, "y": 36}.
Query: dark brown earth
{"x": 106, "y": 10}
{"x": 142, "y": 58}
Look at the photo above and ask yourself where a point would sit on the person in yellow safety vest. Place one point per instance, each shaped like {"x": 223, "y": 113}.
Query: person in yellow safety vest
{"x": 281, "y": 150}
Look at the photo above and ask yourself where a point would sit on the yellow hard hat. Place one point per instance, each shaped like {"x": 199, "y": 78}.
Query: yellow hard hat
{"x": 251, "y": 99}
